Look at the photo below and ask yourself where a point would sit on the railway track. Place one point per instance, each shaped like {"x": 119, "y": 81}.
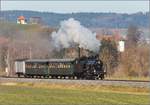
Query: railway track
{"x": 80, "y": 79}
{"x": 131, "y": 83}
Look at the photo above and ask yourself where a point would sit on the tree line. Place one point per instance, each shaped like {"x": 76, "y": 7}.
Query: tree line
{"x": 133, "y": 62}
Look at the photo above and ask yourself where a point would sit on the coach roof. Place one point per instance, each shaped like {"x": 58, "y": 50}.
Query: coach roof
{"x": 49, "y": 60}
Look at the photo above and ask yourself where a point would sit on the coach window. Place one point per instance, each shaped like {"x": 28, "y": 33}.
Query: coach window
{"x": 51, "y": 65}
{"x": 30, "y": 65}
{"x": 64, "y": 65}
{"x": 37, "y": 65}
{"x": 59, "y": 65}
{"x": 33, "y": 65}
{"x": 40, "y": 65}
{"x": 69, "y": 66}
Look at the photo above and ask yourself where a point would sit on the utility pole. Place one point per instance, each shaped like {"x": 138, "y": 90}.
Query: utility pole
{"x": 30, "y": 52}
{"x": 0, "y": 9}
{"x": 0, "y": 5}
{"x": 7, "y": 69}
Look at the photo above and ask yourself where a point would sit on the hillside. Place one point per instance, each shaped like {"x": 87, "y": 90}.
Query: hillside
{"x": 94, "y": 20}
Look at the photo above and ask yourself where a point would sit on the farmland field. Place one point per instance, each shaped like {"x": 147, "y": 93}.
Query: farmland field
{"x": 43, "y": 94}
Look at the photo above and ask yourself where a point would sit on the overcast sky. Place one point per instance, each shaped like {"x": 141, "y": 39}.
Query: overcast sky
{"x": 78, "y": 6}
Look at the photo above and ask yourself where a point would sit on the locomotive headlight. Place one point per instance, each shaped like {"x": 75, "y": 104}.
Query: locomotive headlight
{"x": 94, "y": 71}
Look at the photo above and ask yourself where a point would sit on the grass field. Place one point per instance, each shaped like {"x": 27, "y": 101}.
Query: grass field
{"x": 58, "y": 94}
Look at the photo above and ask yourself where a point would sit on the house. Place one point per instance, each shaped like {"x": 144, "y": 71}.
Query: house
{"x": 35, "y": 20}
{"x": 117, "y": 37}
{"x": 21, "y": 20}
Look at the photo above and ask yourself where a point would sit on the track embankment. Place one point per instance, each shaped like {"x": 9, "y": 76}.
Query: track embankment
{"x": 141, "y": 84}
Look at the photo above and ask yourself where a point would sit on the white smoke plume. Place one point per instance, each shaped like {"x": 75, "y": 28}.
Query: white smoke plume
{"x": 71, "y": 33}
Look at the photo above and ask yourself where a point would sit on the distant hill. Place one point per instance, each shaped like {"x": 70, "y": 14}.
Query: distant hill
{"x": 92, "y": 20}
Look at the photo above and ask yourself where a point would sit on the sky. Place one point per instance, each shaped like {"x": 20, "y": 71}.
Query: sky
{"x": 60, "y": 6}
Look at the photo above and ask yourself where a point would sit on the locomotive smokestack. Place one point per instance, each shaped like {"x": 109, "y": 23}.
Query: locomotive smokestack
{"x": 79, "y": 52}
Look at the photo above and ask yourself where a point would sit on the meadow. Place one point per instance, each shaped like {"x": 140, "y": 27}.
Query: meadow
{"x": 71, "y": 94}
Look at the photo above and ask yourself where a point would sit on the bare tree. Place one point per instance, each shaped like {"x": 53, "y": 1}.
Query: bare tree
{"x": 109, "y": 55}
{"x": 133, "y": 36}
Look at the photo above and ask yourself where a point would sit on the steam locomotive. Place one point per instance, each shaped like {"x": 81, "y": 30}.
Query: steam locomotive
{"x": 81, "y": 68}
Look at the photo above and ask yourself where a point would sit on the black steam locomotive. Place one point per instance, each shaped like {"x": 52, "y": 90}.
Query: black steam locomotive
{"x": 81, "y": 68}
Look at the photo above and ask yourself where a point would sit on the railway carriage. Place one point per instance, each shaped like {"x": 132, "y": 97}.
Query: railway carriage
{"x": 61, "y": 67}
{"x": 36, "y": 67}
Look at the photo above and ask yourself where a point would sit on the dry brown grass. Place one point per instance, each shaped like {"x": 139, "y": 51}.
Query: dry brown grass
{"x": 128, "y": 78}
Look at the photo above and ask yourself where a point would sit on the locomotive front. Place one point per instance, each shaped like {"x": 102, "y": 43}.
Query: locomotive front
{"x": 90, "y": 68}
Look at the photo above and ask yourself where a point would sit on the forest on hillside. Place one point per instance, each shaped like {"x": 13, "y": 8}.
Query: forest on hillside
{"x": 91, "y": 20}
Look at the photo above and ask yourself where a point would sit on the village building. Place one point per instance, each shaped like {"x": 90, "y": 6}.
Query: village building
{"x": 21, "y": 20}
{"x": 116, "y": 37}
{"x": 35, "y": 20}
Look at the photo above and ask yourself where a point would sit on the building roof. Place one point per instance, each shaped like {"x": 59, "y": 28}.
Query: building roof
{"x": 3, "y": 40}
{"x": 49, "y": 60}
{"x": 21, "y": 18}
{"x": 35, "y": 17}
{"x": 114, "y": 37}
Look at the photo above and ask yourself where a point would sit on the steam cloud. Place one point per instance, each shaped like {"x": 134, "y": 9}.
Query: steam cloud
{"x": 71, "y": 33}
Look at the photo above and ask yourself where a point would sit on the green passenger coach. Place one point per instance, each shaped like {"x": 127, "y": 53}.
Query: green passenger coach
{"x": 61, "y": 67}
{"x": 46, "y": 67}
{"x": 36, "y": 68}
